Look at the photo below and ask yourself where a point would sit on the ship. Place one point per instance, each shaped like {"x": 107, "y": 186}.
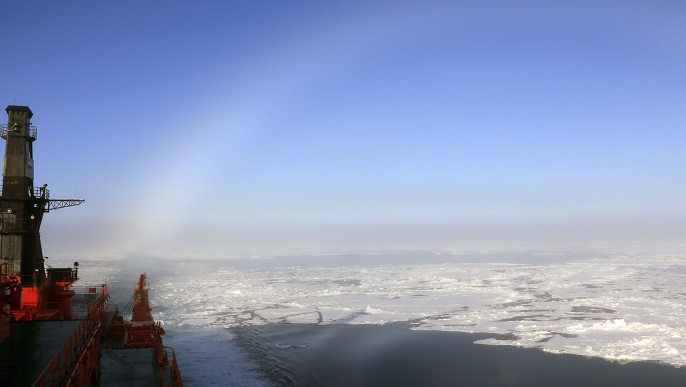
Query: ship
{"x": 53, "y": 330}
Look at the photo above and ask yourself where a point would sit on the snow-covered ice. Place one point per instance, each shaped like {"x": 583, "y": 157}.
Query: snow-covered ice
{"x": 621, "y": 307}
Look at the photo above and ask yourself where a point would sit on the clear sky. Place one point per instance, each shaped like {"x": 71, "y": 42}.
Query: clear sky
{"x": 222, "y": 128}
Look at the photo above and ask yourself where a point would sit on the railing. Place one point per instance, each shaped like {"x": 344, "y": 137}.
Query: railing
{"x": 33, "y": 131}
{"x": 80, "y": 351}
{"x": 82, "y": 301}
{"x": 36, "y": 192}
{"x": 69, "y": 357}
{"x": 4, "y": 272}
{"x": 174, "y": 372}
{"x": 5, "y": 277}
{"x": 62, "y": 274}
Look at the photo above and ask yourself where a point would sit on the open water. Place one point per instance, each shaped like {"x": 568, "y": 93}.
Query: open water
{"x": 417, "y": 318}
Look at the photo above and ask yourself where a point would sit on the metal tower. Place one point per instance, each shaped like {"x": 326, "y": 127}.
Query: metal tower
{"x": 21, "y": 204}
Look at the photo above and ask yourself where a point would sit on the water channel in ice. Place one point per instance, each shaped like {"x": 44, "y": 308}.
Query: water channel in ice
{"x": 620, "y": 307}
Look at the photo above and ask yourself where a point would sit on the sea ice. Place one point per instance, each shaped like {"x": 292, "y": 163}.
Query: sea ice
{"x": 621, "y": 307}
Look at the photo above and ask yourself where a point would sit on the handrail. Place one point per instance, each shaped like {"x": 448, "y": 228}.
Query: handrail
{"x": 174, "y": 372}
{"x": 37, "y": 192}
{"x": 33, "y": 131}
{"x": 70, "y": 355}
{"x": 4, "y": 271}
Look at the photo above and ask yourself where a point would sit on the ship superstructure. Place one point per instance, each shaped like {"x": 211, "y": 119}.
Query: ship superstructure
{"x": 39, "y": 294}
{"x": 51, "y": 331}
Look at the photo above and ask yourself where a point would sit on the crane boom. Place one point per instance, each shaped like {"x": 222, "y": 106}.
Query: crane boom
{"x": 56, "y": 204}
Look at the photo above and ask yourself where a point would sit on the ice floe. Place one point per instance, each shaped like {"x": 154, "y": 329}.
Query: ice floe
{"x": 622, "y": 307}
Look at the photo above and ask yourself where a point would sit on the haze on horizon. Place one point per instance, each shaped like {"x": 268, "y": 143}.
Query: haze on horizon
{"x": 228, "y": 128}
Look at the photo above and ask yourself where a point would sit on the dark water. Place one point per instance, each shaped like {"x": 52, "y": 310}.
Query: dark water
{"x": 347, "y": 355}
{"x": 394, "y": 355}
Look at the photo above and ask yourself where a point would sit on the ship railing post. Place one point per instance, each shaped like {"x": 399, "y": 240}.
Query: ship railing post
{"x": 78, "y": 336}
{"x": 71, "y": 350}
{"x": 75, "y": 346}
{"x": 55, "y": 370}
{"x": 52, "y": 373}
{"x": 60, "y": 366}
{"x": 67, "y": 355}
{"x": 58, "y": 370}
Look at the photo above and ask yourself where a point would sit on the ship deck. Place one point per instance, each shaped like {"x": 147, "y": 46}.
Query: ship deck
{"x": 30, "y": 348}
{"x": 128, "y": 367}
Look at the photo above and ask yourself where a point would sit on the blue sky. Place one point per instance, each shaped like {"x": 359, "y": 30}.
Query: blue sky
{"x": 219, "y": 128}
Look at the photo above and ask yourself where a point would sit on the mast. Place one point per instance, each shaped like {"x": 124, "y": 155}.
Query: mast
{"x": 21, "y": 208}
{"x": 22, "y": 205}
